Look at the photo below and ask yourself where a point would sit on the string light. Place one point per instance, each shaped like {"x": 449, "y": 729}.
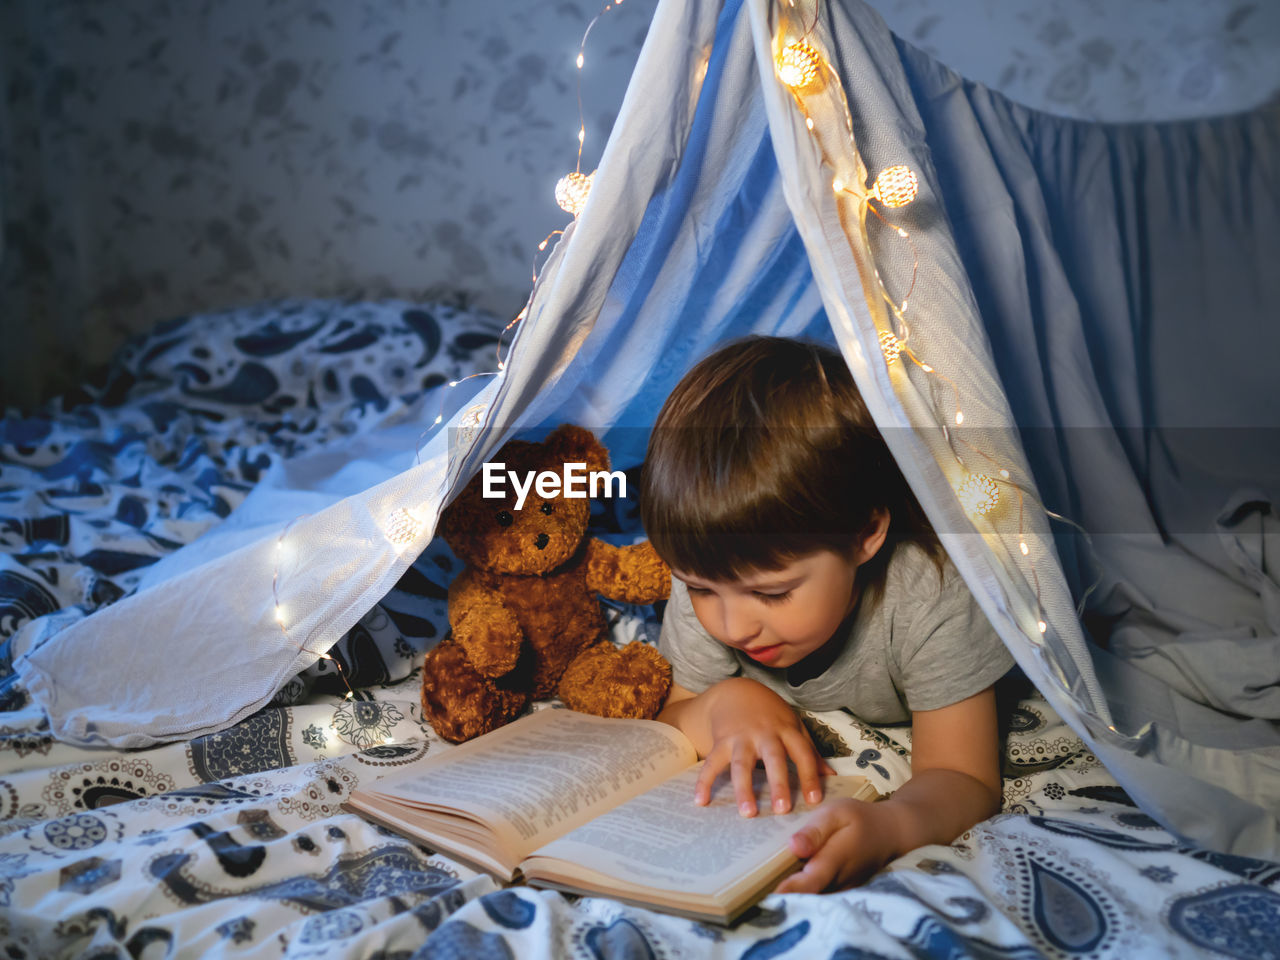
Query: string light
{"x": 281, "y": 619}
{"x": 572, "y": 191}
{"x": 896, "y": 186}
{"x": 978, "y": 494}
{"x": 798, "y": 65}
{"x": 891, "y": 347}
{"x": 402, "y": 527}
{"x": 350, "y": 694}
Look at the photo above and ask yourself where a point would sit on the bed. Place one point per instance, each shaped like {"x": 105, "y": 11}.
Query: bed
{"x": 234, "y": 843}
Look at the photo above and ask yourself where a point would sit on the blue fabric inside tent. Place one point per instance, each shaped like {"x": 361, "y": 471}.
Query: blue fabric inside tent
{"x": 722, "y": 226}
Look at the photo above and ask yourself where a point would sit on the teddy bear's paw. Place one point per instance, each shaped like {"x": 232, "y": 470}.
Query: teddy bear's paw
{"x": 491, "y": 639}
{"x": 610, "y": 682}
{"x": 632, "y": 574}
{"x": 458, "y": 701}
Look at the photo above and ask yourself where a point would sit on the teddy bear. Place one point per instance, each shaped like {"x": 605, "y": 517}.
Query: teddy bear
{"x": 525, "y": 620}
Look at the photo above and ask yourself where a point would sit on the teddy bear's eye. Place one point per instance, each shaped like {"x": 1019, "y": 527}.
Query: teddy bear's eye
{"x": 504, "y": 518}
{"x": 548, "y": 508}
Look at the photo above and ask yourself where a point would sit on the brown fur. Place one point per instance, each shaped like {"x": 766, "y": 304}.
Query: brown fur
{"x": 525, "y": 620}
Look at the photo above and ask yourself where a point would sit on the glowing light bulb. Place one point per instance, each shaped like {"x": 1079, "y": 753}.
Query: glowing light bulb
{"x": 279, "y": 614}
{"x": 1041, "y": 626}
{"x": 808, "y": 122}
{"x": 1022, "y": 545}
{"x": 579, "y": 61}
{"x": 959, "y": 418}
{"x": 978, "y": 494}
{"x": 891, "y": 346}
{"x": 1004, "y": 474}
{"x": 402, "y": 527}
{"x": 798, "y": 65}
{"x": 837, "y": 185}
{"x": 896, "y": 186}
{"x": 926, "y": 368}
{"x": 572, "y": 191}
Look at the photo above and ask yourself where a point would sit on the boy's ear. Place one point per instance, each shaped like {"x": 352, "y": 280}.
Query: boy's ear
{"x": 873, "y": 537}
{"x": 573, "y": 444}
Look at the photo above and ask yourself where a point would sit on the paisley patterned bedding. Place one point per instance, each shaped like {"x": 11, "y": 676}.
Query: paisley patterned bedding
{"x": 234, "y": 844}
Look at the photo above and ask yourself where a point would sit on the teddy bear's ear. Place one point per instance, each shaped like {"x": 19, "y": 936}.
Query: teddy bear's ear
{"x": 571, "y": 444}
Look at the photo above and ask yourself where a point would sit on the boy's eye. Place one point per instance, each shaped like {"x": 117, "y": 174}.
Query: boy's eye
{"x": 773, "y": 597}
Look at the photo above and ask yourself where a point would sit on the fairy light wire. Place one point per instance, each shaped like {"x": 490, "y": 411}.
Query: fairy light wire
{"x": 581, "y": 59}
{"x": 281, "y": 619}
{"x": 805, "y": 55}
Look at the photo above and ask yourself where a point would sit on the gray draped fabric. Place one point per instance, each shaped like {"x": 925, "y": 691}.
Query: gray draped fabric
{"x": 1125, "y": 275}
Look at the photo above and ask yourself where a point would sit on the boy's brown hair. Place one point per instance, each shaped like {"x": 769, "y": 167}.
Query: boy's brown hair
{"x": 765, "y": 452}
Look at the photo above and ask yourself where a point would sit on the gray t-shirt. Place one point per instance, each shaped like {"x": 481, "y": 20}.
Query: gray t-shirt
{"x": 925, "y": 644}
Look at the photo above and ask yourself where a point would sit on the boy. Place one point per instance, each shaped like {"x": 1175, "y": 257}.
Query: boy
{"x": 805, "y": 574}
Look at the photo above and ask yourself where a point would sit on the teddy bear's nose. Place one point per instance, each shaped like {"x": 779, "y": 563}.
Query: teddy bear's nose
{"x": 541, "y": 541}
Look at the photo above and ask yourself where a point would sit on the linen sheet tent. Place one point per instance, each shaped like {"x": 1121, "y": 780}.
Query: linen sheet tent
{"x": 1091, "y": 301}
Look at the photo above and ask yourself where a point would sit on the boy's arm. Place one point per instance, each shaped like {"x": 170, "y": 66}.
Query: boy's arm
{"x": 955, "y": 783}
{"x": 687, "y": 717}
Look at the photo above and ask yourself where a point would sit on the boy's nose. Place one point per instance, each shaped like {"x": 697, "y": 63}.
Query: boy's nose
{"x": 738, "y": 625}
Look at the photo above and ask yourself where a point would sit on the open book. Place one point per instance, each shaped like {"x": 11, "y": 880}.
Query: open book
{"x": 598, "y": 807}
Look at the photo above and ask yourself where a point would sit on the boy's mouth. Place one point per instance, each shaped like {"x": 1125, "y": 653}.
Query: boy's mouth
{"x": 765, "y": 654}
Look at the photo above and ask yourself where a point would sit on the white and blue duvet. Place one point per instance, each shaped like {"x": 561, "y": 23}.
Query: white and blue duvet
{"x": 233, "y": 844}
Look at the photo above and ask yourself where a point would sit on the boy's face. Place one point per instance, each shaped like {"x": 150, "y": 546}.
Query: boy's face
{"x": 778, "y": 617}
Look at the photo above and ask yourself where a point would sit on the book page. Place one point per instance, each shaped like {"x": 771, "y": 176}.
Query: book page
{"x": 662, "y": 839}
{"x": 545, "y": 773}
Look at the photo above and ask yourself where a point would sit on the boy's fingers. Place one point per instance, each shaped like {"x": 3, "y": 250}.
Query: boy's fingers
{"x": 740, "y": 770}
{"x": 829, "y": 844}
{"x": 815, "y": 877}
{"x": 809, "y": 839}
{"x": 775, "y": 768}
{"x": 716, "y": 761}
{"x": 806, "y": 761}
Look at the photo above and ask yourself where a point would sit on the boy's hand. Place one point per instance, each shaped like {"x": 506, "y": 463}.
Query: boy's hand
{"x": 844, "y": 843}
{"x": 748, "y": 723}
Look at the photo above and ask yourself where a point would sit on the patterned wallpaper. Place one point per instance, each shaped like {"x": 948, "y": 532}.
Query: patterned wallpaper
{"x": 160, "y": 157}
{"x": 1110, "y": 60}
